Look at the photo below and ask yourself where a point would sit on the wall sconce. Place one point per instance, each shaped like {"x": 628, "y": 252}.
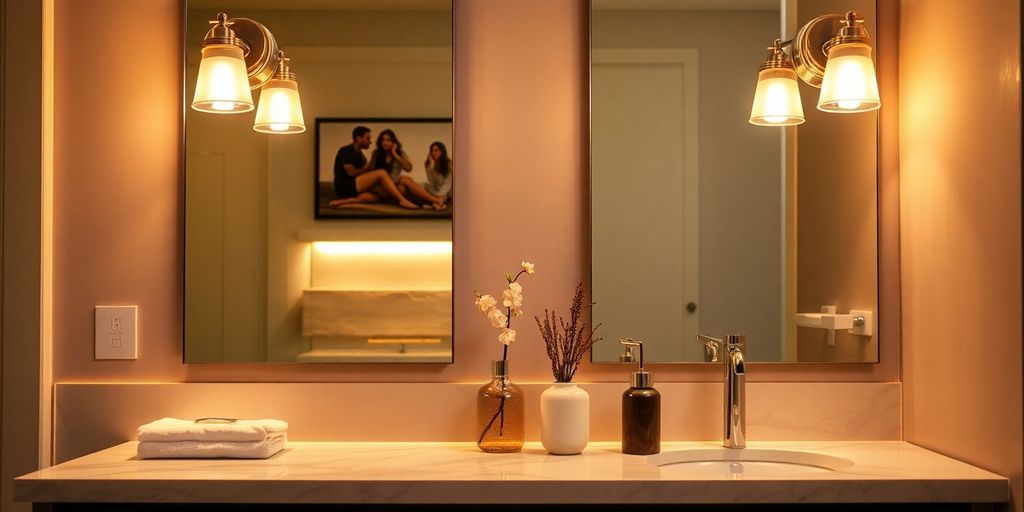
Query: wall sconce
{"x": 777, "y": 97}
{"x": 831, "y": 52}
{"x": 241, "y": 55}
{"x": 222, "y": 86}
{"x": 280, "y": 109}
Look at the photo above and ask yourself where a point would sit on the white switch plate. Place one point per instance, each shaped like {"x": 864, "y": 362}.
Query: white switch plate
{"x": 116, "y": 332}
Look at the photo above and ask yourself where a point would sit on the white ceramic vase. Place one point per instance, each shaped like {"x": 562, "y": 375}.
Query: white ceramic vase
{"x": 564, "y": 418}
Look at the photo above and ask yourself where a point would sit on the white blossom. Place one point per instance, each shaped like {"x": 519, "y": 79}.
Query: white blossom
{"x": 497, "y": 318}
{"x": 507, "y": 336}
{"x": 511, "y": 299}
{"x": 485, "y": 302}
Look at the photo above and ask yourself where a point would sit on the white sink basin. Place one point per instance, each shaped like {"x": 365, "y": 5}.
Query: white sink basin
{"x": 746, "y": 462}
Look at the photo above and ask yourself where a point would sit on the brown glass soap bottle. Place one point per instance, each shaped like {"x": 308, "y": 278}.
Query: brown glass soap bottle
{"x": 641, "y": 411}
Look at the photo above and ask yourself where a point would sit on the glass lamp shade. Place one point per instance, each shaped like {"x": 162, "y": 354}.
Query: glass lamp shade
{"x": 849, "y": 84}
{"x": 777, "y": 99}
{"x": 222, "y": 86}
{"x": 280, "y": 110}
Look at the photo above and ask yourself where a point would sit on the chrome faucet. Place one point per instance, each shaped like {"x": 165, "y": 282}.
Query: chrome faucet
{"x": 731, "y": 347}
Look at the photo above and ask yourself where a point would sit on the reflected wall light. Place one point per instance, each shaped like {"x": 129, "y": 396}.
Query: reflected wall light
{"x": 831, "y": 52}
{"x": 390, "y": 248}
{"x": 280, "y": 109}
{"x": 241, "y": 55}
{"x": 777, "y": 97}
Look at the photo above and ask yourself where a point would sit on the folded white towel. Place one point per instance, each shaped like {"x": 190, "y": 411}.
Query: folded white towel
{"x": 174, "y": 429}
{"x": 212, "y": 449}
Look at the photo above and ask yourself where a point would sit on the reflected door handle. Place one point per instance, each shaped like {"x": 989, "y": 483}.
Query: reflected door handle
{"x": 691, "y": 306}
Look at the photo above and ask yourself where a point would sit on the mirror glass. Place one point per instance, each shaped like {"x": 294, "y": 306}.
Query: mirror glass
{"x": 334, "y": 244}
{"x": 704, "y": 223}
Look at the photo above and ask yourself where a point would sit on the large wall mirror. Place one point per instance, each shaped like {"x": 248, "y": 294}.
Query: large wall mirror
{"x": 325, "y": 238}
{"x": 705, "y": 223}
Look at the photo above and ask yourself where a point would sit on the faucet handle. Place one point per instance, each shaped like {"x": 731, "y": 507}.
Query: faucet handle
{"x": 711, "y": 347}
{"x": 735, "y": 341}
{"x": 708, "y": 340}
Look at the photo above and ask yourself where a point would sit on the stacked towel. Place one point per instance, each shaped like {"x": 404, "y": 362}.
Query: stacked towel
{"x": 186, "y": 439}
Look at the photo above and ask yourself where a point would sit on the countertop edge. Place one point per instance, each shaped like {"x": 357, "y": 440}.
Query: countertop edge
{"x": 524, "y": 491}
{"x": 113, "y": 476}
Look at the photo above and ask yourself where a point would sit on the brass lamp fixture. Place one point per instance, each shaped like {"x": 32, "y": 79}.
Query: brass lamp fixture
{"x": 777, "y": 97}
{"x": 280, "y": 110}
{"x": 831, "y": 52}
{"x": 241, "y": 55}
{"x": 849, "y": 84}
{"x": 222, "y": 86}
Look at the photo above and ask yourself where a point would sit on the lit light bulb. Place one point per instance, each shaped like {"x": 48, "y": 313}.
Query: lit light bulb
{"x": 849, "y": 84}
{"x": 280, "y": 109}
{"x": 222, "y": 85}
{"x": 777, "y": 99}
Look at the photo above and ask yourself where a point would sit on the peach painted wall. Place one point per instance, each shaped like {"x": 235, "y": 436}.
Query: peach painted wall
{"x": 960, "y": 160}
{"x": 91, "y": 417}
{"x": 521, "y": 124}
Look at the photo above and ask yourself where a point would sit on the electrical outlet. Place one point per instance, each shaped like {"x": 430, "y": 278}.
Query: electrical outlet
{"x": 116, "y": 332}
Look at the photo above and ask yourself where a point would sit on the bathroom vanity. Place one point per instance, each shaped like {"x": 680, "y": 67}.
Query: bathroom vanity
{"x": 457, "y": 473}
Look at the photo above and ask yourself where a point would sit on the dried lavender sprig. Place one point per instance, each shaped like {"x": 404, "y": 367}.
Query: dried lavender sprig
{"x": 567, "y": 343}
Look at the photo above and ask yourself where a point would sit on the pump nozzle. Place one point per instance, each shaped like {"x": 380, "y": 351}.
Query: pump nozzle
{"x": 640, "y": 378}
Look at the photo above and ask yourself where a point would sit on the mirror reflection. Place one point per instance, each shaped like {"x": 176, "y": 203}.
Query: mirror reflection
{"x": 702, "y": 222}
{"x": 318, "y": 208}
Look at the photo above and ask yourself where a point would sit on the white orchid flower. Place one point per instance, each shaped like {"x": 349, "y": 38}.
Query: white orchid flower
{"x": 511, "y": 299}
{"x": 497, "y": 318}
{"x": 500, "y": 316}
{"x": 485, "y": 302}
{"x": 507, "y": 336}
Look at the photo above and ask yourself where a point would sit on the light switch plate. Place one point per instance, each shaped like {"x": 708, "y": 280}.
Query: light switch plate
{"x": 116, "y": 332}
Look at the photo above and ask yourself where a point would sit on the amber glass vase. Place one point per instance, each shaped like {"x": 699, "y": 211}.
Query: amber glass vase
{"x": 500, "y": 415}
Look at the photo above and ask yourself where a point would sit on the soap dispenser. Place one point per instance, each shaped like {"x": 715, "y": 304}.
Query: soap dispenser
{"x": 641, "y": 410}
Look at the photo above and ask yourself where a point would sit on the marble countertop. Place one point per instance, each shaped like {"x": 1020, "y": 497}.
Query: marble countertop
{"x": 884, "y": 472}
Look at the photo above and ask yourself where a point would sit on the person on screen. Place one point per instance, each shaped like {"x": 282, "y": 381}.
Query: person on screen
{"x": 356, "y": 182}
{"x": 389, "y": 157}
{"x": 439, "y": 171}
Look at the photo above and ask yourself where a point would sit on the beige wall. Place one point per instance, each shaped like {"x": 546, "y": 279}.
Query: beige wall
{"x": 960, "y": 161}
{"x": 117, "y": 186}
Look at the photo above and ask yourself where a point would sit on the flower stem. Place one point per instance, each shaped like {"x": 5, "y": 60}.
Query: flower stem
{"x": 501, "y": 406}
